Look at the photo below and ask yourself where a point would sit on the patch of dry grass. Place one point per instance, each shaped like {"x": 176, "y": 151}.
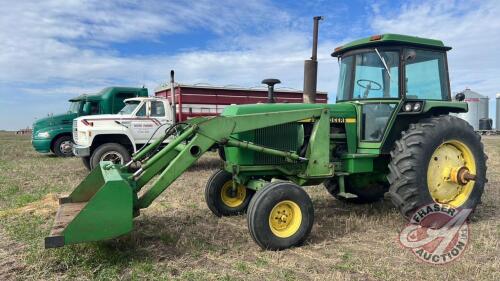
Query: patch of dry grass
{"x": 178, "y": 237}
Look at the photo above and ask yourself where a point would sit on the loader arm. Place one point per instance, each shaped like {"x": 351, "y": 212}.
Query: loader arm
{"x": 104, "y": 204}
{"x": 203, "y": 136}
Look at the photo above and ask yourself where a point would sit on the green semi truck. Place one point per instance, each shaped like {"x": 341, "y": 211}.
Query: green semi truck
{"x": 53, "y": 133}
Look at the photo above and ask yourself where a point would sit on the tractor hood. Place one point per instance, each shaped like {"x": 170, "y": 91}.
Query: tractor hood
{"x": 336, "y": 110}
{"x": 53, "y": 121}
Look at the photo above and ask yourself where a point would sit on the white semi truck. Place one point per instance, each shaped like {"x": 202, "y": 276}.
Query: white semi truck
{"x": 115, "y": 137}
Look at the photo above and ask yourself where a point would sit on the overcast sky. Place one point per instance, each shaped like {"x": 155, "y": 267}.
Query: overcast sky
{"x": 53, "y": 50}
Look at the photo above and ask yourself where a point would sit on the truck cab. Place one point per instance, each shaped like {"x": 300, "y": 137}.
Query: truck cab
{"x": 115, "y": 137}
{"x": 53, "y": 133}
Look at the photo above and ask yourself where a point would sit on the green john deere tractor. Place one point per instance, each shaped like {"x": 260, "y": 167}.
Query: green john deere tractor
{"x": 390, "y": 132}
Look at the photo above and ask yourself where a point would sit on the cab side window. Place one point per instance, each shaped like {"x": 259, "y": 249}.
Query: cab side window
{"x": 157, "y": 109}
{"x": 426, "y": 76}
{"x": 375, "y": 118}
{"x": 142, "y": 111}
{"x": 94, "y": 108}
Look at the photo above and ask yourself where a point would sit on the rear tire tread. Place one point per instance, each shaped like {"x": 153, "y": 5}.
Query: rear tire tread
{"x": 404, "y": 192}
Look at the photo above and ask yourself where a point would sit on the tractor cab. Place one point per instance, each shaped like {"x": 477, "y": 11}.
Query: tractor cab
{"x": 386, "y": 75}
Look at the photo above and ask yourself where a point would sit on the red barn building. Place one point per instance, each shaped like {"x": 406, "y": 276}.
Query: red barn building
{"x": 205, "y": 100}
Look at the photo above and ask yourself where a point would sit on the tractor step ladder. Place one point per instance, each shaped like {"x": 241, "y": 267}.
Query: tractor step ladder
{"x": 342, "y": 192}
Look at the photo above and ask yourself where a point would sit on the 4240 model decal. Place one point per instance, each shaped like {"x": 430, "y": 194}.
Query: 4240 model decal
{"x": 342, "y": 120}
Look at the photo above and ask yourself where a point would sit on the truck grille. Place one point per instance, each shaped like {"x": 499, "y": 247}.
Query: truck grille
{"x": 75, "y": 132}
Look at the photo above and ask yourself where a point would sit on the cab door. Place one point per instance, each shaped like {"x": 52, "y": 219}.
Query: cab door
{"x": 160, "y": 114}
{"x": 141, "y": 126}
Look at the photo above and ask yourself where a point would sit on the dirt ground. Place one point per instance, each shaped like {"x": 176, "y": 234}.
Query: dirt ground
{"x": 179, "y": 238}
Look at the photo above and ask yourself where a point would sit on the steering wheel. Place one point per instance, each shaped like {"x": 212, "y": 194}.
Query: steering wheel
{"x": 367, "y": 85}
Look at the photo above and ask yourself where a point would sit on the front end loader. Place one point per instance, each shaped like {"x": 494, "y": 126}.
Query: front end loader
{"x": 390, "y": 133}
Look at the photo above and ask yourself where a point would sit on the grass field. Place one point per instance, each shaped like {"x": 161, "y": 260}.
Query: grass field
{"x": 179, "y": 238}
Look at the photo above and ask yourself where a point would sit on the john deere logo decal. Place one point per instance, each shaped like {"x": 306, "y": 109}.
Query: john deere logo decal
{"x": 437, "y": 234}
{"x": 342, "y": 120}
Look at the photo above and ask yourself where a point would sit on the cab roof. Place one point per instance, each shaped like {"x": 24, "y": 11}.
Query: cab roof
{"x": 390, "y": 40}
{"x": 99, "y": 95}
{"x": 144, "y": 98}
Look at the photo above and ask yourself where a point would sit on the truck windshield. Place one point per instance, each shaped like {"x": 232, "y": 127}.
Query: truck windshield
{"x": 368, "y": 75}
{"x": 74, "y": 106}
{"x": 129, "y": 107}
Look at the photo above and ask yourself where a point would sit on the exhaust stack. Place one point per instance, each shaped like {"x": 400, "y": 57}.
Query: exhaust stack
{"x": 172, "y": 92}
{"x": 311, "y": 67}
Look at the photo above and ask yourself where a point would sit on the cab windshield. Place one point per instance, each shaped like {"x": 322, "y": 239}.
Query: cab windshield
{"x": 74, "y": 106}
{"x": 130, "y": 106}
{"x": 372, "y": 74}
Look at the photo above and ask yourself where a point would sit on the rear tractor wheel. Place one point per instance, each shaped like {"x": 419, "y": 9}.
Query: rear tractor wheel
{"x": 280, "y": 216}
{"x": 438, "y": 160}
{"x": 222, "y": 200}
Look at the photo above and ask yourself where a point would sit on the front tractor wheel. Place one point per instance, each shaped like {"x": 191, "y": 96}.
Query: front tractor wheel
{"x": 280, "y": 216}
{"x": 438, "y": 160}
{"x": 220, "y": 197}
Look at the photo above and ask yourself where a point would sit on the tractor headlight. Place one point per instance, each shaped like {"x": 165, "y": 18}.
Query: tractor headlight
{"x": 417, "y": 106}
{"x": 43, "y": 135}
{"x": 408, "y": 107}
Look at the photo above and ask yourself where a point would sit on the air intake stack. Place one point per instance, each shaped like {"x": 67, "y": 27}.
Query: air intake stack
{"x": 270, "y": 88}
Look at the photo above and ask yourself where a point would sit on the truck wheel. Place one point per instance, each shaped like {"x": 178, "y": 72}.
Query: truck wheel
{"x": 63, "y": 146}
{"x": 440, "y": 159}
{"x": 113, "y": 152}
{"x": 219, "y": 198}
{"x": 365, "y": 187}
{"x": 280, "y": 216}
{"x": 86, "y": 162}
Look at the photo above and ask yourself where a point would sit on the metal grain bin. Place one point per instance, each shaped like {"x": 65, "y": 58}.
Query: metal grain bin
{"x": 478, "y": 108}
{"x": 497, "y": 122}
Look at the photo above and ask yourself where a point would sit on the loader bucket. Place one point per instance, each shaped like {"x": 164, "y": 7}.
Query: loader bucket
{"x": 100, "y": 208}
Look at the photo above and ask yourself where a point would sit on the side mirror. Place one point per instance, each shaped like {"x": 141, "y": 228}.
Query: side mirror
{"x": 86, "y": 108}
{"x": 460, "y": 96}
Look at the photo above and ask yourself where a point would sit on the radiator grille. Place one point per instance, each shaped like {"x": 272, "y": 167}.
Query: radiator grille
{"x": 283, "y": 137}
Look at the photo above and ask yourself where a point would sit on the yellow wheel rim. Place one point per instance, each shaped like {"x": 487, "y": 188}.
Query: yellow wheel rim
{"x": 285, "y": 219}
{"x": 448, "y": 158}
{"x": 233, "y": 201}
